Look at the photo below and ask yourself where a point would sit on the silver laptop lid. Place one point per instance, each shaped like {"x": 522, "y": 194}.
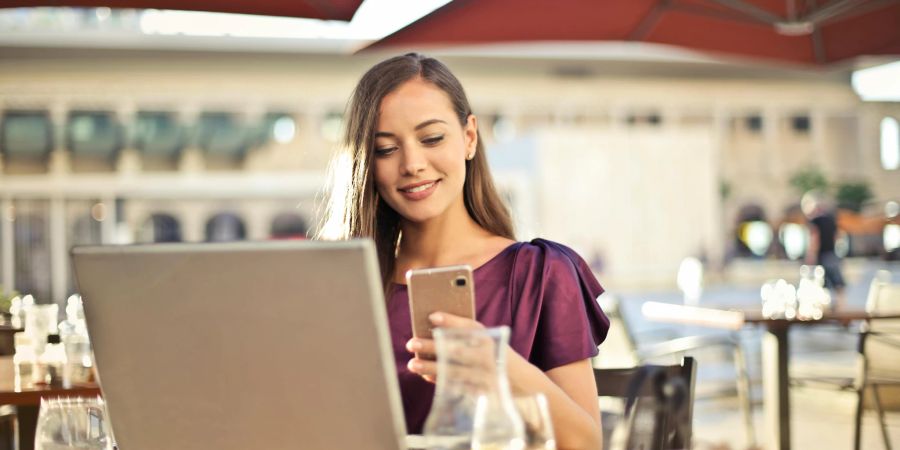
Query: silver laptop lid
{"x": 275, "y": 345}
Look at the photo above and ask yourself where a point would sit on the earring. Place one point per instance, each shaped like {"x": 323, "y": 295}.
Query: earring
{"x": 470, "y": 156}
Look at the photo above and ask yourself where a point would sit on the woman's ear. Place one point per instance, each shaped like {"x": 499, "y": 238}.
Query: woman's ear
{"x": 471, "y": 135}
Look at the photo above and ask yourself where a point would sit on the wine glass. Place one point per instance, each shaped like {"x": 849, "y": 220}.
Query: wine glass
{"x": 536, "y": 416}
{"x": 73, "y": 423}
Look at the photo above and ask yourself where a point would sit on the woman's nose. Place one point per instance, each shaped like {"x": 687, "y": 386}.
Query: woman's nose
{"x": 413, "y": 161}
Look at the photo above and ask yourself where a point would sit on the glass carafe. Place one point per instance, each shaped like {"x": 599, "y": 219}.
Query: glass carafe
{"x": 73, "y": 423}
{"x": 473, "y": 406}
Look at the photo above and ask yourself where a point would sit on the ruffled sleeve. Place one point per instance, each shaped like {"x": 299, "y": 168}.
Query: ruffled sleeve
{"x": 555, "y": 314}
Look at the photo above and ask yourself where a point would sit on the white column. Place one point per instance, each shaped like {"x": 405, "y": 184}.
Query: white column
{"x": 108, "y": 227}
{"x": 129, "y": 161}
{"x": 257, "y": 216}
{"x": 313, "y": 146}
{"x": 818, "y": 123}
{"x": 868, "y": 139}
{"x": 671, "y": 118}
{"x": 251, "y": 116}
{"x": 59, "y": 254}
{"x": 715, "y": 240}
{"x": 8, "y": 248}
{"x": 771, "y": 158}
{"x": 60, "y": 160}
{"x": 192, "y": 216}
{"x": 192, "y": 160}
{"x": 1, "y": 149}
{"x": 617, "y": 115}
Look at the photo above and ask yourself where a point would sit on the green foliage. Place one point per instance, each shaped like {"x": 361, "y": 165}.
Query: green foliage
{"x": 808, "y": 179}
{"x": 852, "y": 195}
{"x": 724, "y": 189}
{"x": 6, "y": 300}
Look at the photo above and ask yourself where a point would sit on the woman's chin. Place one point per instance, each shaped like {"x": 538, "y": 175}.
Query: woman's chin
{"x": 419, "y": 215}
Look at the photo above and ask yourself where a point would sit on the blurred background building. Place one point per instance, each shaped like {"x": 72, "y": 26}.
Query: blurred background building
{"x": 116, "y": 129}
{"x": 126, "y": 126}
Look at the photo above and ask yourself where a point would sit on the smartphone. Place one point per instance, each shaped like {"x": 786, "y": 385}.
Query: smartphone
{"x": 447, "y": 289}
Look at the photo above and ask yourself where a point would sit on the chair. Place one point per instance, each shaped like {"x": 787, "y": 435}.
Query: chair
{"x": 667, "y": 346}
{"x": 879, "y": 349}
{"x": 669, "y": 392}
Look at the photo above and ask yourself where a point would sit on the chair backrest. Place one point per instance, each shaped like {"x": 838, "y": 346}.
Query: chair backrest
{"x": 884, "y": 296}
{"x": 882, "y": 346}
{"x": 668, "y": 391}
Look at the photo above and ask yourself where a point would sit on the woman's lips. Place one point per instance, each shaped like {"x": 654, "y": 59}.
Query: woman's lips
{"x": 419, "y": 191}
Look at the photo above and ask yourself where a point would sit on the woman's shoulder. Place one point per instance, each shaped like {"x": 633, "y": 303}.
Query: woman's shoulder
{"x": 551, "y": 261}
{"x": 544, "y": 252}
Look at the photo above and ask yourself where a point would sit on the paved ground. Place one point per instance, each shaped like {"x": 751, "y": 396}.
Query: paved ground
{"x": 822, "y": 418}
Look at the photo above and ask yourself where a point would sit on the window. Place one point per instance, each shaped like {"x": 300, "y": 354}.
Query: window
{"x": 890, "y": 143}
{"x": 160, "y": 228}
{"x": 32, "y": 248}
{"x": 93, "y": 134}
{"x": 757, "y": 236}
{"x": 503, "y": 129}
{"x": 800, "y": 124}
{"x": 794, "y": 238}
{"x": 26, "y": 134}
{"x": 278, "y": 127}
{"x": 225, "y": 227}
{"x": 753, "y": 234}
{"x": 158, "y": 134}
{"x": 221, "y": 135}
{"x": 754, "y": 123}
{"x": 83, "y": 219}
{"x": 651, "y": 118}
{"x": 289, "y": 226}
{"x": 331, "y": 126}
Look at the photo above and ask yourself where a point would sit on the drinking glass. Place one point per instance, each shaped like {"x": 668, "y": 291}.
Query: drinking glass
{"x": 73, "y": 423}
{"x": 536, "y": 416}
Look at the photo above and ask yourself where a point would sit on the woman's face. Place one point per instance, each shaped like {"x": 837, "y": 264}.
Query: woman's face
{"x": 420, "y": 151}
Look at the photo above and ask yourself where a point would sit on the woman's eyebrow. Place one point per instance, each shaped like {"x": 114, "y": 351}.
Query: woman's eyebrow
{"x": 424, "y": 124}
{"x": 429, "y": 122}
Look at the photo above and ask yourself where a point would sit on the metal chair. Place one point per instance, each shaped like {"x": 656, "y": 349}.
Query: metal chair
{"x": 665, "y": 346}
{"x": 665, "y": 393}
{"x": 879, "y": 350}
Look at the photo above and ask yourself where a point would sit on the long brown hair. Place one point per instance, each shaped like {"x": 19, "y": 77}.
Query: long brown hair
{"x": 356, "y": 210}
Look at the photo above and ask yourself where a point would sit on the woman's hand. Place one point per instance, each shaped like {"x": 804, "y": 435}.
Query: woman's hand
{"x": 570, "y": 389}
{"x": 427, "y": 368}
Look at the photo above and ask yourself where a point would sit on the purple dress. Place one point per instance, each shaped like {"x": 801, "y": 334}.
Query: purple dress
{"x": 542, "y": 290}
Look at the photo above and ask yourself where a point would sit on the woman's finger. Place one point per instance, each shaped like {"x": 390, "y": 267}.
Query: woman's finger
{"x": 442, "y": 319}
{"x": 422, "y": 367}
{"x": 421, "y": 346}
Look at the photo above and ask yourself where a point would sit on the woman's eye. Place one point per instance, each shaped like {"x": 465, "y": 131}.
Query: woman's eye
{"x": 384, "y": 151}
{"x": 432, "y": 140}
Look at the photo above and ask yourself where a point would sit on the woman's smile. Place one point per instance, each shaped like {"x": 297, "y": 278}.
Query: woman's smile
{"x": 419, "y": 191}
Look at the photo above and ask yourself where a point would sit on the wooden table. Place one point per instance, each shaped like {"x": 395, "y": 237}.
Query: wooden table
{"x": 28, "y": 401}
{"x": 775, "y": 352}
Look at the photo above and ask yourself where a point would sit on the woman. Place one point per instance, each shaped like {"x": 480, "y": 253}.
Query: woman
{"x": 420, "y": 187}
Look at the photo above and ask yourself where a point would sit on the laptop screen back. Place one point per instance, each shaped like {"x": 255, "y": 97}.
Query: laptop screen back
{"x": 276, "y": 345}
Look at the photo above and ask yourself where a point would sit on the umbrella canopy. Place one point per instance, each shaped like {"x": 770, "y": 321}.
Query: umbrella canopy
{"x": 799, "y": 31}
{"x": 313, "y": 9}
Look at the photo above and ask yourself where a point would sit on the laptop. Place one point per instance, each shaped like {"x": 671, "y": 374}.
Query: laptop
{"x": 275, "y": 345}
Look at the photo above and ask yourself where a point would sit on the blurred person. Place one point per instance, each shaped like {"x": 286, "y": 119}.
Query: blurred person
{"x": 823, "y": 230}
{"x": 421, "y": 189}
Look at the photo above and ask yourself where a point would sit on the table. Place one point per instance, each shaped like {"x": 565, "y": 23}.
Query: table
{"x": 775, "y": 352}
{"x": 27, "y": 401}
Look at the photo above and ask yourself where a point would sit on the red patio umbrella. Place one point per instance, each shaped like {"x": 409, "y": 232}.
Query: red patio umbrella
{"x": 313, "y": 9}
{"x": 799, "y": 31}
